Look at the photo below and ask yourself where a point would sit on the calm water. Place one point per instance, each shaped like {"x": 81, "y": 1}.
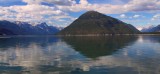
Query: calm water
{"x": 80, "y": 55}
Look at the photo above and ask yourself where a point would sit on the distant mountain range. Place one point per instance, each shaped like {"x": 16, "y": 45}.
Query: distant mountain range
{"x": 93, "y": 23}
{"x": 24, "y": 28}
{"x": 89, "y": 23}
{"x": 151, "y": 29}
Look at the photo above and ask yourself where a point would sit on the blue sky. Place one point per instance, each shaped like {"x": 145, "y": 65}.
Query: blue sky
{"x": 140, "y": 13}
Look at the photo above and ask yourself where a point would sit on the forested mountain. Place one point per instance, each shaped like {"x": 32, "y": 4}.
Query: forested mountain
{"x": 93, "y": 22}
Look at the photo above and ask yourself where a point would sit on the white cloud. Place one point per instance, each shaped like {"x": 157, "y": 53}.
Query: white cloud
{"x": 123, "y": 16}
{"x": 131, "y": 17}
{"x": 131, "y": 6}
{"x": 35, "y": 11}
{"x": 138, "y": 16}
{"x": 83, "y": 2}
{"x": 60, "y": 17}
{"x": 85, "y": 5}
{"x": 3, "y": 11}
{"x": 143, "y": 5}
{"x": 29, "y": 13}
{"x": 61, "y": 2}
{"x": 156, "y": 17}
{"x": 33, "y": 1}
{"x": 55, "y": 2}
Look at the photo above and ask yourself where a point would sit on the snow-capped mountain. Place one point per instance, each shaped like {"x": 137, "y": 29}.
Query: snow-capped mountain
{"x": 151, "y": 29}
{"x": 24, "y": 28}
{"x": 147, "y": 29}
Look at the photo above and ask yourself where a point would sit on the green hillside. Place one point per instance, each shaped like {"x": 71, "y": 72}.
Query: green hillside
{"x": 92, "y": 23}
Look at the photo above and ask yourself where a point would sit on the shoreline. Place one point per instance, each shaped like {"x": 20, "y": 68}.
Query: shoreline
{"x": 4, "y": 36}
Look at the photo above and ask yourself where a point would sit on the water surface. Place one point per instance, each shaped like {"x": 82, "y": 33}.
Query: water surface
{"x": 80, "y": 55}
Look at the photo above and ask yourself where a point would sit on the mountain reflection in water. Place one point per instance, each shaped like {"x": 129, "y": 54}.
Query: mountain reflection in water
{"x": 97, "y": 46}
{"x": 80, "y": 55}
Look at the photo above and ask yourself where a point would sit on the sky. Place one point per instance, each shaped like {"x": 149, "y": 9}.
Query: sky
{"x": 139, "y": 13}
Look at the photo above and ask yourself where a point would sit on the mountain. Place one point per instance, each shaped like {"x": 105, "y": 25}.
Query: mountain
{"x": 151, "y": 29}
{"x": 93, "y": 23}
{"x": 24, "y": 28}
{"x": 5, "y": 32}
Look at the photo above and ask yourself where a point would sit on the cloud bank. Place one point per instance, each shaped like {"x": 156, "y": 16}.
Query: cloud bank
{"x": 56, "y": 11}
